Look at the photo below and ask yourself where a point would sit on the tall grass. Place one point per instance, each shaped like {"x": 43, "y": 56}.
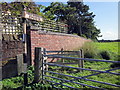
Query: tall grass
{"x": 91, "y": 50}
{"x": 111, "y": 47}
{"x": 106, "y": 50}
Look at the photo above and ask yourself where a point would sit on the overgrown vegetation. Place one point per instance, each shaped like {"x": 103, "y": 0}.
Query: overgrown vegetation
{"x": 17, "y": 83}
{"x": 106, "y": 50}
{"x": 91, "y": 50}
{"x": 94, "y": 50}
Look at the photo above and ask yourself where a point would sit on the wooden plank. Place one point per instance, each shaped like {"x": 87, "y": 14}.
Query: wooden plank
{"x": 20, "y": 63}
{"x": 32, "y": 16}
{"x": 35, "y": 27}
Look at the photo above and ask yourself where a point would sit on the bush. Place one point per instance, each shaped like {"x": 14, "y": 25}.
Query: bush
{"x": 114, "y": 65}
{"x": 90, "y": 50}
{"x": 105, "y": 55}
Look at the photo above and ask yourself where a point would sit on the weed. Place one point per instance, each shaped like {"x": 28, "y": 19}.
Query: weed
{"x": 90, "y": 50}
{"x": 105, "y": 55}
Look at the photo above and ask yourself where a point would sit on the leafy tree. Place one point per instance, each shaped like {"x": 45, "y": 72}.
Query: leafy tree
{"x": 77, "y": 16}
{"x": 17, "y": 6}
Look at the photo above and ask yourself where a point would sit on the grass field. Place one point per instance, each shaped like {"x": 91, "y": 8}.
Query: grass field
{"x": 111, "y": 47}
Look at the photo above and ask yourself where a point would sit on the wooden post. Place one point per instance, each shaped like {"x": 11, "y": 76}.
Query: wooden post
{"x": 45, "y": 59}
{"x": 38, "y": 64}
{"x": 62, "y": 53}
{"x": 29, "y": 61}
{"x": 1, "y": 28}
{"x": 25, "y": 53}
{"x": 25, "y": 70}
{"x": 82, "y": 56}
{"x": 20, "y": 63}
{"x": 80, "y": 62}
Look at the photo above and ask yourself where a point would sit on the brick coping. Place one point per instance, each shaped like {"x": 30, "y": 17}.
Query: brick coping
{"x": 60, "y": 34}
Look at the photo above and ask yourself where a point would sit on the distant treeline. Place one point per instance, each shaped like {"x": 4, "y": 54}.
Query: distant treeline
{"x": 109, "y": 40}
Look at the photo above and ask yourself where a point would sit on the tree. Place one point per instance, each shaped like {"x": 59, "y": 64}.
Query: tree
{"x": 16, "y": 7}
{"x": 77, "y": 16}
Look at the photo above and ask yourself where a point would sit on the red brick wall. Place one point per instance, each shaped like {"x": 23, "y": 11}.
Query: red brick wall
{"x": 55, "y": 41}
{"x": 11, "y": 46}
{"x": 11, "y": 49}
{"x": 50, "y": 41}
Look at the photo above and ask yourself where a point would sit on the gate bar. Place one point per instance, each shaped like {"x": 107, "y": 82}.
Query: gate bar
{"x": 83, "y": 79}
{"x": 55, "y": 56}
{"x": 84, "y": 68}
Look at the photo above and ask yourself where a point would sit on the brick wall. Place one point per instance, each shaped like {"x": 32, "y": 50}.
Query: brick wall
{"x": 48, "y": 40}
{"x": 55, "y": 41}
{"x": 11, "y": 48}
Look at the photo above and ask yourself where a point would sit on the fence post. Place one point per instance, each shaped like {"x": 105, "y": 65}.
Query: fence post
{"x": 81, "y": 62}
{"x": 82, "y": 56}
{"x": 38, "y": 64}
{"x": 62, "y": 53}
{"x": 45, "y": 58}
{"x": 20, "y": 63}
{"x": 25, "y": 69}
{"x": 25, "y": 55}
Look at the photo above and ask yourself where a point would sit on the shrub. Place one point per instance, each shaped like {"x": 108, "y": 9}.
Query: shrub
{"x": 114, "y": 65}
{"x": 105, "y": 55}
{"x": 117, "y": 58}
{"x": 90, "y": 50}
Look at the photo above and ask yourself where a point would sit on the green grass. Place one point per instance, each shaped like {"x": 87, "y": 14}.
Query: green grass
{"x": 96, "y": 47}
{"x": 17, "y": 83}
{"x": 109, "y": 46}
{"x": 103, "y": 77}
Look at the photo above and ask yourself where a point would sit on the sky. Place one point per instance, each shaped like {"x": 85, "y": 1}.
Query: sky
{"x": 106, "y": 18}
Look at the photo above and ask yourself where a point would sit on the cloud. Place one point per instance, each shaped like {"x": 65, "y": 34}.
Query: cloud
{"x": 109, "y": 35}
